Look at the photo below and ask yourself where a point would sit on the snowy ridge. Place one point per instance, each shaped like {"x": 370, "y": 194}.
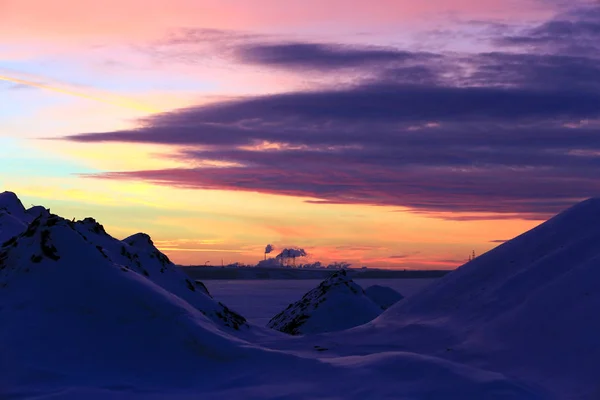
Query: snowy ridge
{"x": 77, "y": 325}
{"x": 14, "y": 218}
{"x": 144, "y": 259}
{"x": 86, "y": 316}
{"x": 67, "y": 308}
{"x": 336, "y": 304}
{"x": 10, "y": 204}
{"x": 202, "y": 287}
{"x": 137, "y": 253}
{"x": 527, "y": 308}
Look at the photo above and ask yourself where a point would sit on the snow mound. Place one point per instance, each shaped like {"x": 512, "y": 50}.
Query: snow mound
{"x": 336, "y": 304}
{"x": 86, "y": 316}
{"x": 10, "y": 203}
{"x": 140, "y": 240}
{"x": 80, "y": 320}
{"x": 383, "y": 296}
{"x": 528, "y": 308}
{"x": 13, "y": 216}
{"x": 145, "y": 260}
{"x": 72, "y": 307}
{"x": 137, "y": 253}
{"x": 37, "y": 211}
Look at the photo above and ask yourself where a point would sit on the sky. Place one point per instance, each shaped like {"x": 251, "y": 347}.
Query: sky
{"x": 385, "y": 133}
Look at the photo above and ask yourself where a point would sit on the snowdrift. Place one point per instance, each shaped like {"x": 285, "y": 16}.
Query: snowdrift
{"x": 336, "y": 304}
{"x": 528, "y": 308}
{"x": 84, "y": 315}
{"x": 77, "y": 305}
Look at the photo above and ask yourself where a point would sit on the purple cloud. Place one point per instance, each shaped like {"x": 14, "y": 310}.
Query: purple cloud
{"x": 574, "y": 32}
{"x": 324, "y": 56}
{"x": 500, "y": 132}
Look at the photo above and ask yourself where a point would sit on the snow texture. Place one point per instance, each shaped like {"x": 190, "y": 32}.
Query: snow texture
{"x": 202, "y": 287}
{"x": 134, "y": 254}
{"x": 259, "y": 300}
{"x": 336, "y": 304}
{"x": 14, "y": 218}
{"x": 86, "y": 316}
{"x": 528, "y": 308}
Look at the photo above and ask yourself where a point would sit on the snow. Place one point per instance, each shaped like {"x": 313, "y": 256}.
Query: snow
{"x": 336, "y": 304}
{"x": 10, "y": 203}
{"x": 383, "y": 296}
{"x": 81, "y": 319}
{"x": 259, "y": 300}
{"x": 84, "y": 315}
{"x": 138, "y": 253}
{"x": 425, "y": 377}
{"x": 262, "y": 272}
{"x": 528, "y": 308}
{"x": 202, "y": 287}
{"x": 14, "y": 218}
{"x": 71, "y": 314}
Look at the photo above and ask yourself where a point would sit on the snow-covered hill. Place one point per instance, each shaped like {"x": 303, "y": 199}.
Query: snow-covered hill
{"x": 75, "y": 302}
{"x": 14, "y": 218}
{"x": 528, "y": 308}
{"x": 336, "y": 304}
{"x": 383, "y": 296}
{"x": 84, "y": 315}
{"x": 135, "y": 254}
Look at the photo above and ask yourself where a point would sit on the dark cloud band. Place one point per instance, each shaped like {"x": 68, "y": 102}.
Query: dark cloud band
{"x": 501, "y": 132}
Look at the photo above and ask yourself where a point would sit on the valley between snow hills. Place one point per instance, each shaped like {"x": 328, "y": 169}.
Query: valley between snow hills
{"x": 84, "y": 315}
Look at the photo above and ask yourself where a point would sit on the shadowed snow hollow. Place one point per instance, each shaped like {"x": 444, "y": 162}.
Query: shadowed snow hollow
{"x": 336, "y": 304}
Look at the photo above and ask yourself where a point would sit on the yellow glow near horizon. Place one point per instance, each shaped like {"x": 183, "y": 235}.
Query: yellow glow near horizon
{"x": 185, "y": 222}
{"x": 114, "y": 101}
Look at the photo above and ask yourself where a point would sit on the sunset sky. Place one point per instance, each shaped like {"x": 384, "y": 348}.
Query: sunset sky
{"x": 386, "y": 133}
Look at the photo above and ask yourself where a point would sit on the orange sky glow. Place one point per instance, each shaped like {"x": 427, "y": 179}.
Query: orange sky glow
{"x": 70, "y": 68}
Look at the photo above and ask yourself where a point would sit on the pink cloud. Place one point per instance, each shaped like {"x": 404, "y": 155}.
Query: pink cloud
{"x": 74, "y": 21}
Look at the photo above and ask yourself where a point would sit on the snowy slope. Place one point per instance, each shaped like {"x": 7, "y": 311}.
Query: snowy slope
{"x": 383, "y": 296}
{"x": 336, "y": 304}
{"x": 86, "y": 316}
{"x": 202, "y": 287}
{"x": 137, "y": 253}
{"x": 528, "y": 308}
{"x": 75, "y": 324}
{"x": 14, "y": 218}
{"x": 68, "y": 310}
{"x": 78, "y": 311}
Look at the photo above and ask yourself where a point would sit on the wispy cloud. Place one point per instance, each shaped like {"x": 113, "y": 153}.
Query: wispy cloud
{"x": 320, "y": 56}
{"x": 112, "y": 100}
